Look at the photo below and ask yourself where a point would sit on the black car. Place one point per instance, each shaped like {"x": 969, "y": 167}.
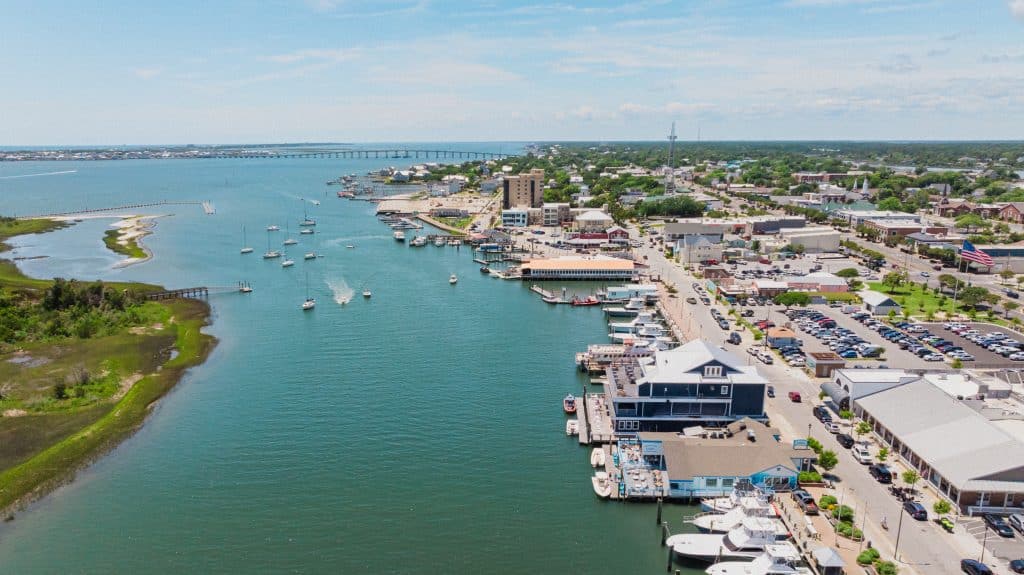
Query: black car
{"x": 998, "y": 524}
{"x": 916, "y": 510}
{"x": 972, "y": 567}
{"x": 821, "y": 413}
{"x": 845, "y": 440}
{"x": 771, "y": 391}
{"x": 881, "y": 473}
{"x": 1017, "y": 565}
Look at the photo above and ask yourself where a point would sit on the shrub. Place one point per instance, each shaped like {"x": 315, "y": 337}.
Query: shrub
{"x": 941, "y": 507}
{"x": 883, "y": 454}
{"x": 868, "y": 556}
{"x": 843, "y": 513}
{"x": 846, "y": 414}
{"x": 827, "y": 501}
{"x": 814, "y": 444}
{"x": 846, "y": 529}
{"x": 809, "y": 477}
{"x": 60, "y": 391}
{"x": 886, "y": 568}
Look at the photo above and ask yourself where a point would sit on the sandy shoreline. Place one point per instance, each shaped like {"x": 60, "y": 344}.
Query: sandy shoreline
{"x": 131, "y": 228}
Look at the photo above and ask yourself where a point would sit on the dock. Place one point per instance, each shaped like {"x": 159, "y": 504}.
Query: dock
{"x": 192, "y": 292}
{"x": 115, "y": 209}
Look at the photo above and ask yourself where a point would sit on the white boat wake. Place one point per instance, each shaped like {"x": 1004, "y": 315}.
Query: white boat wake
{"x": 354, "y": 239}
{"x": 36, "y": 175}
{"x": 341, "y": 291}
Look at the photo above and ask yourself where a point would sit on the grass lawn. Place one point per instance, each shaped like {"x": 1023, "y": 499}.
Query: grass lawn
{"x": 130, "y": 248}
{"x": 912, "y": 297}
{"x": 461, "y": 223}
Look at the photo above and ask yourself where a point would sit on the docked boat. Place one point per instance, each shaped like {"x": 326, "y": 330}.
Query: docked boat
{"x": 778, "y": 559}
{"x": 245, "y": 249}
{"x": 485, "y": 270}
{"x": 602, "y": 484}
{"x": 569, "y": 404}
{"x": 572, "y": 427}
{"x": 633, "y": 307}
{"x": 603, "y": 354}
{"x": 552, "y": 299}
{"x": 418, "y": 241}
{"x": 749, "y": 507}
{"x": 745, "y": 542}
{"x": 734, "y": 499}
{"x": 453, "y": 279}
{"x": 597, "y": 457}
{"x": 399, "y": 236}
{"x": 587, "y": 301}
{"x": 439, "y": 242}
{"x": 643, "y": 318}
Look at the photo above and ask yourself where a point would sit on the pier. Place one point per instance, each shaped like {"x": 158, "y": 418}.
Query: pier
{"x": 192, "y": 292}
{"x": 208, "y": 207}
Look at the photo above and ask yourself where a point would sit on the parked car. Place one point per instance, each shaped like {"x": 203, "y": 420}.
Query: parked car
{"x": 862, "y": 454}
{"x": 916, "y": 510}
{"x": 794, "y": 396}
{"x": 973, "y": 567}
{"x": 998, "y": 524}
{"x": 821, "y": 413}
{"x": 1017, "y": 522}
{"x": 771, "y": 391}
{"x": 845, "y": 440}
{"x": 1017, "y": 565}
{"x": 734, "y": 338}
{"x": 881, "y": 473}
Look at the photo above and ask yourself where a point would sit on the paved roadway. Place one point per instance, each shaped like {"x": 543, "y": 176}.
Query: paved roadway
{"x": 923, "y": 547}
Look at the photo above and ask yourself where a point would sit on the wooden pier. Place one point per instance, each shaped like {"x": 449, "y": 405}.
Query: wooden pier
{"x": 192, "y": 292}
{"x": 120, "y": 208}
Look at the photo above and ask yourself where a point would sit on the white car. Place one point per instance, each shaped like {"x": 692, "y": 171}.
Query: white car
{"x": 1019, "y": 356}
{"x": 831, "y": 427}
{"x": 932, "y": 357}
{"x": 862, "y": 454}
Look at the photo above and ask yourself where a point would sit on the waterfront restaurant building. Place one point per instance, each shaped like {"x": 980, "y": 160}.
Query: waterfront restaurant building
{"x": 694, "y": 384}
{"x": 577, "y": 268}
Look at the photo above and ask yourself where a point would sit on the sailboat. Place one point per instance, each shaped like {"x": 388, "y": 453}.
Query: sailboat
{"x": 289, "y": 241}
{"x": 305, "y": 217}
{"x": 310, "y": 303}
{"x": 244, "y": 287}
{"x": 287, "y": 263}
{"x": 245, "y": 249}
{"x": 306, "y": 231}
{"x": 270, "y": 254}
{"x": 273, "y": 228}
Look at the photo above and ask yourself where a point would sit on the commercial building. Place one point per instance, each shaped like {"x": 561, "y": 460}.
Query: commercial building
{"x": 878, "y": 303}
{"x": 593, "y": 221}
{"x": 849, "y": 385}
{"x": 710, "y": 463}
{"x": 817, "y": 282}
{"x": 824, "y": 363}
{"x": 524, "y": 191}
{"x": 812, "y": 240}
{"x": 554, "y": 215}
{"x": 715, "y": 228}
{"x": 894, "y": 229}
{"x": 515, "y": 218}
{"x": 694, "y": 384}
{"x": 781, "y": 337}
{"x": 967, "y": 458}
{"x": 577, "y": 268}
{"x": 858, "y": 217}
{"x": 696, "y": 249}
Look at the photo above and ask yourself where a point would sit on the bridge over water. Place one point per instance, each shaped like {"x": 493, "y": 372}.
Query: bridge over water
{"x": 403, "y": 153}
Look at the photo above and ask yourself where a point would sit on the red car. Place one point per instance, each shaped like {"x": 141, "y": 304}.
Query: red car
{"x": 794, "y": 396}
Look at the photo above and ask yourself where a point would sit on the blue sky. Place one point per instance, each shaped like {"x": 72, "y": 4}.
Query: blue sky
{"x": 239, "y": 71}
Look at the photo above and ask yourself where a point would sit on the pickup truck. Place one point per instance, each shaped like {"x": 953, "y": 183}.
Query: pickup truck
{"x": 862, "y": 454}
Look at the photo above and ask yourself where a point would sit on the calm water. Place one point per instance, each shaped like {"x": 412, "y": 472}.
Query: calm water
{"x": 417, "y": 432}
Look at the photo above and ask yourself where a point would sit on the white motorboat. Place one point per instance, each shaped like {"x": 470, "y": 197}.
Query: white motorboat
{"x": 289, "y": 242}
{"x": 452, "y": 279}
{"x": 418, "y": 241}
{"x": 273, "y": 228}
{"x": 309, "y": 256}
{"x": 632, "y": 308}
{"x": 439, "y": 242}
{"x": 399, "y": 236}
{"x": 645, "y": 333}
{"x": 350, "y": 246}
{"x": 245, "y": 249}
{"x": 748, "y": 507}
{"x": 367, "y": 294}
{"x": 742, "y": 543}
{"x": 310, "y": 303}
{"x": 641, "y": 319}
{"x": 724, "y": 504}
{"x": 778, "y": 559}
{"x": 597, "y": 457}
{"x": 306, "y": 232}
{"x": 602, "y": 484}
{"x": 572, "y": 427}
{"x": 288, "y": 262}
{"x": 244, "y": 287}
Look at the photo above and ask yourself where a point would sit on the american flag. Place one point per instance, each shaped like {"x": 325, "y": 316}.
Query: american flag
{"x": 972, "y": 254}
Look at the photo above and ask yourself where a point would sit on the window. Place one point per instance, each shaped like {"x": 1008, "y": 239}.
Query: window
{"x": 712, "y": 371}
{"x": 727, "y": 482}
{"x": 725, "y": 390}
{"x": 673, "y": 485}
{"x": 711, "y": 482}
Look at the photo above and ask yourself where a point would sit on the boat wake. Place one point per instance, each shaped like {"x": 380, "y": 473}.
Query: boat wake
{"x": 354, "y": 239}
{"x": 341, "y": 291}
{"x": 36, "y": 175}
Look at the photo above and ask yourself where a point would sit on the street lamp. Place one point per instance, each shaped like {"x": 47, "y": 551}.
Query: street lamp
{"x": 984, "y": 541}
{"x": 899, "y": 529}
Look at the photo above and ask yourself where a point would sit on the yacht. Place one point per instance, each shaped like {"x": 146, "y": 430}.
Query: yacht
{"x": 569, "y": 404}
{"x": 452, "y": 279}
{"x": 309, "y": 304}
{"x": 418, "y": 241}
{"x": 245, "y": 249}
{"x": 745, "y": 542}
{"x": 288, "y": 262}
{"x": 642, "y": 319}
{"x": 439, "y": 242}
{"x": 270, "y": 254}
{"x": 748, "y": 506}
{"x": 602, "y": 484}
{"x": 724, "y": 504}
{"x": 606, "y": 353}
{"x": 572, "y": 427}
{"x": 399, "y": 236}
{"x": 643, "y": 332}
{"x": 633, "y": 307}
{"x": 778, "y": 559}
{"x": 289, "y": 242}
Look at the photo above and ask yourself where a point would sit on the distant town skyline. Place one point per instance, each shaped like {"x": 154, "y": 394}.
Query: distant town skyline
{"x": 399, "y": 70}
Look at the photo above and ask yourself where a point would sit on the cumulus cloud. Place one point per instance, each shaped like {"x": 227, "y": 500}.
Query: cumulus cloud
{"x": 1017, "y": 8}
{"x": 314, "y": 55}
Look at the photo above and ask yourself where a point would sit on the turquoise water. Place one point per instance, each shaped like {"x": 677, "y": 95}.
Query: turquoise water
{"x": 416, "y": 432}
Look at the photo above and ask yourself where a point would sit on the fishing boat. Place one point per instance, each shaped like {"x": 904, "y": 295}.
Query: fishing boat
{"x": 572, "y": 427}
{"x": 745, "y": 542}
{"x": 245, "y": 249}
{"x": 270, "y": 254}
{"x": 569, "y": 404}
{"x": 273, "y": 228}
{"x": 778, "y": 559}
{"x": 439, "y": 242}
{"x": 452, "y": 279}
{"x": 587, "y": 301}
{"x": 399, "y": 236}
{"x": 602, "y": 484}
{"x": 749, "y": 506}
{"x": 597, "y": 457}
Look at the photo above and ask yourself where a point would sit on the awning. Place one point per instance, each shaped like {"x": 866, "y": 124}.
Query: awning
{"x": 827, "y": 557}
{"x": 837, "y": 394}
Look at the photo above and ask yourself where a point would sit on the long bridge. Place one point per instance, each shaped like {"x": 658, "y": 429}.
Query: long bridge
{"x": 404, "y": 153}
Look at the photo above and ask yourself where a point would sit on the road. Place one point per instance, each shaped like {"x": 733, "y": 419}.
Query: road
{"x": 922, "y": 546}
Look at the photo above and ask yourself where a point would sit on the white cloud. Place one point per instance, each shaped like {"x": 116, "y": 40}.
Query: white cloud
{"x": 147, "y": 73}
{"x": 321, "y": 55}
{"x": 1017, "y": 8}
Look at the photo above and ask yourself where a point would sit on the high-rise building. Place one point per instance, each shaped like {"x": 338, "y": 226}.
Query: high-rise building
{"x": 525, "y": 190}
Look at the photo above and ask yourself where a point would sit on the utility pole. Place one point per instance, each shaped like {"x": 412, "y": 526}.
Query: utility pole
{"x": 670, "y": 181}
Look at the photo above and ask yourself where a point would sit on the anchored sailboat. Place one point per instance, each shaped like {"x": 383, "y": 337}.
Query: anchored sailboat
{"x": 245, "y": 249}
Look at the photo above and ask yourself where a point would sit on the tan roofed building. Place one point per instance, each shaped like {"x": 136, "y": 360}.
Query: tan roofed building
{"x": 571, "y": 267}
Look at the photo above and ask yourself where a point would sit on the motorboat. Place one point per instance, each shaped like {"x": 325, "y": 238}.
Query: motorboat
{"x": 572, "y": 427}
{"x": 367, "y": 293}
{"x": 778, "y": 559}
{"x": 485, "y": 270}
{"x": 273, "y": 228}
{"x": 569, "y": 404}
{"x": 587, "y": 301}
{"x": 742, "y": 543}
{"x": 602, "y": 484}
{"x": 642, "y": 318}
{"x": 271, "y": 254}
{"x": 399, "y": 236}
{"x": 645, "y": 332}
{"x": 597, "y": 457}
{"x": 748, "y": 507}
{"x": 350, "y": 246}
{"x": 418, "y": 241}
{"x": 288, "y": 262}
{"x": 633, "y": 307}
{"x": 309, "y": 304}
{"x": 734, "y": 499}
{"x": 306, "y": 232}
{"x": 439, "y": 242}
{"x": 453, "y": 279}
{"x": 309, "y": 256}
{"x": 244, "y": 287}
{"x": 289, "y": 242}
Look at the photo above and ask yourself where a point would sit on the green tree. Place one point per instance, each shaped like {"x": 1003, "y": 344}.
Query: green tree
{"x": 970, "y": 222}
{"x": 794, "y": 298}
{"x": 941, "y": 507}
{"x": 862, "y": 428}
{"x": 848, "y": 273}
{"x": 910, "y": 477}
{"x": 972, "y": 296}
{"x": 814, "y": 444}
{"x": 1009, "y": 306}
{"x": 827, "y": 460}
{"x": 883, "y": 454}
{"x": 891, "y": 204}
{"x": 894, "y": 280}
{"x": 756, "y": 246}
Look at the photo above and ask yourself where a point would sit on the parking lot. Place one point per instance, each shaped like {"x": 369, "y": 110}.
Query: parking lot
{"x": 983, "y": 358}
{"x": 1002, "y": 547}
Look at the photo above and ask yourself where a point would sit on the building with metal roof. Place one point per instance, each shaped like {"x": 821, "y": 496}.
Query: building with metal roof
{"x": 878, "y": 303}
